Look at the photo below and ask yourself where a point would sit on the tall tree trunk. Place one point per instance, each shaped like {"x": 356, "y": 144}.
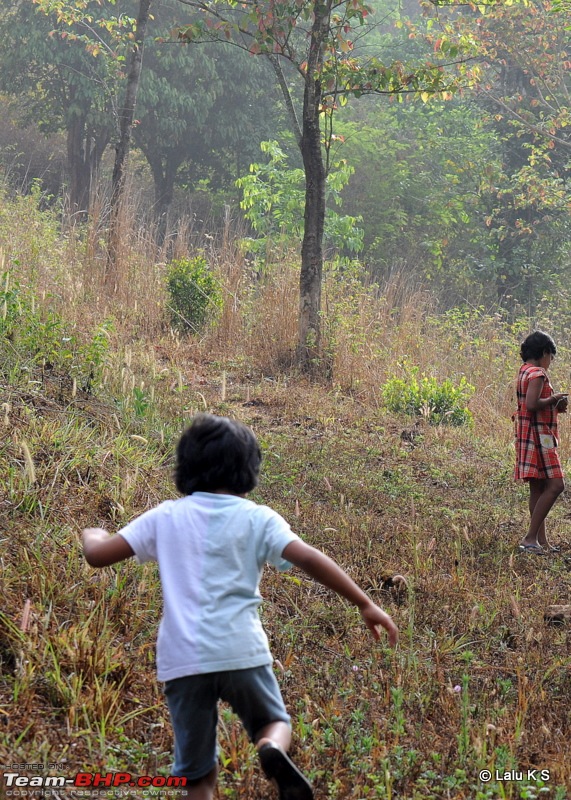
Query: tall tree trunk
{"x": 164, "y": 172}
{"x": 98, "y": 145}
{"x": 126, "y": 116}
{"x": 309, "y": 344}
{"x": 78, "y": 177}
{"x": 312, "y": 245}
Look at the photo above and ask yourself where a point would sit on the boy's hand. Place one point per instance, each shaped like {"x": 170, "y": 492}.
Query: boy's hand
{"x": 330, "y": 574}
{"x": 374, "y": 617}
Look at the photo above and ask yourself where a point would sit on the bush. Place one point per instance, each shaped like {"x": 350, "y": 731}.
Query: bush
{"x": 195, "y": 294}
{"x": 34, "y": 335}
{"x": 440, "y": 403}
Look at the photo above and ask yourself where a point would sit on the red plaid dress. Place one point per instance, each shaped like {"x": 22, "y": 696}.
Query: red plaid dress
{"x": 536, "y": 432}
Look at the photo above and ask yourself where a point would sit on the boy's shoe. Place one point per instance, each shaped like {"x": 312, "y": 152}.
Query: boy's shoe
{"x": 278, "y": 767}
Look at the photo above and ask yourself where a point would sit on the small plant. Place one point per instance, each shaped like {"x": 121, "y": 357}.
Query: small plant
{"x": 8, "y": 301}
{"x": 141, "y": 401}
{"x": 398, "y": 725}
{"x": 195, "y": 294}
{"x": 92, "y": 355}
{"x": 40, "y": 335}
{"x": 273, "y": 198}
{"x": 441, "y": 403}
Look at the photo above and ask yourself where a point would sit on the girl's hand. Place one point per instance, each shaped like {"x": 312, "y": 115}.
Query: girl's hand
{"x": 561, "y": 402}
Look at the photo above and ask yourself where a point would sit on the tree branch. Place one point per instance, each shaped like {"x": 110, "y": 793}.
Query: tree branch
{"x": 274, "y": 61}
{"x": 530, "y": 126}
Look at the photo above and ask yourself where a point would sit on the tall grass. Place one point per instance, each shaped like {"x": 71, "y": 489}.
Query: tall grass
{"x": 478, "y": 680}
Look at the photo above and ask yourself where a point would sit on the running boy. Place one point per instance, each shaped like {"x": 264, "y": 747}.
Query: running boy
{"x": 211, "y": 546}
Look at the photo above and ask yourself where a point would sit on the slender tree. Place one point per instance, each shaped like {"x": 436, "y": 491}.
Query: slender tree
{"x": 313, "y": 41}
{"x": 126, "y": 117}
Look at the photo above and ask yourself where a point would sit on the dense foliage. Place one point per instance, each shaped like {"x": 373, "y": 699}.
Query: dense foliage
{"x": 467, "y": 195}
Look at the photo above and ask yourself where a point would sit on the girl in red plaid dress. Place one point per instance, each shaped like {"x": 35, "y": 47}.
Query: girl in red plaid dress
{"x": 537, "y": 459}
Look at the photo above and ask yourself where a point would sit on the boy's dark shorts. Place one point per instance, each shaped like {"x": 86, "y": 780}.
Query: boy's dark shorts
{"x": 253, "y": 694}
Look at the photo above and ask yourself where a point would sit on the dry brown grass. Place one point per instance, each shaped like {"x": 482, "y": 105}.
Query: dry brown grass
{"x": 478, "y": 679}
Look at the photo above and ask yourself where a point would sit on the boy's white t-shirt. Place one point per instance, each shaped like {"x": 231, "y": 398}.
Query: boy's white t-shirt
{"x": 211, "y": 550}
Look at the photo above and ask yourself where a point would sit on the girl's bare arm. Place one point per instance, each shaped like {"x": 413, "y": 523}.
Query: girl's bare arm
{"x": 534, "y": 402}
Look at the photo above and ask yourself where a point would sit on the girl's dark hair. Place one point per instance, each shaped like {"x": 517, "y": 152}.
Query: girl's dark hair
{"x": 217, "y": 453}
{"x": 536, "y": 346}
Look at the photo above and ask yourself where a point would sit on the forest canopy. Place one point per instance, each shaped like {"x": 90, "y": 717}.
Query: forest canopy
{"x": 464, "y": 190}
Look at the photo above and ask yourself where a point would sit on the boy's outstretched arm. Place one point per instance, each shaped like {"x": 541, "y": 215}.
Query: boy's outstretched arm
{"x": 101, "y": 549}
{"x": 326, "y": 571}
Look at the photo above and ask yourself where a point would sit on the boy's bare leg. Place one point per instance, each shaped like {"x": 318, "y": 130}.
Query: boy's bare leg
{"x": 202, "y": 789}
{"x": 273, "y": 742}
{"x": 276, "y": 732}
{"x": 542, "y": 496}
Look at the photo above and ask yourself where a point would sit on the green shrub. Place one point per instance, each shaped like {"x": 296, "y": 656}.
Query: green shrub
{"x": 440, "y": 403}
{"x": 273, "y": 198}
{"x": 195, "y": 294}
{"x": 35, "y": 335}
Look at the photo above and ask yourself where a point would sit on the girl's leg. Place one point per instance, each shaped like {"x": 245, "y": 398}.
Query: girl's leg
{"x": 542, "y": 496}
{"x": 535, "y": 490}
{"x": 255, "y": 696}
{"x": 534, "y": 495}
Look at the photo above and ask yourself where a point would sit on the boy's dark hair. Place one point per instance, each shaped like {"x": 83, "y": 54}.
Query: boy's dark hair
{"x": 217, "y": 453}
{"x": 536, "y": 345}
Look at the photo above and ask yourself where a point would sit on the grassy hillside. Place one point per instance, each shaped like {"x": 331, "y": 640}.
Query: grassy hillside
{"x": 94, "y": 391}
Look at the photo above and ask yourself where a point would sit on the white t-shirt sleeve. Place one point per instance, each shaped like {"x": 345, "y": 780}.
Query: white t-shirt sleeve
{"x": 141, "y": 535}
{"x": 277, "y": 536}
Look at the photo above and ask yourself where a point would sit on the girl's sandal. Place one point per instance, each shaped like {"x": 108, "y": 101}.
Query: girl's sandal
{"x": 535, "y": 549}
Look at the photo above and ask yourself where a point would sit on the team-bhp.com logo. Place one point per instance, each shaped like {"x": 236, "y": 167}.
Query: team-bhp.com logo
{"x": 90, "y": 780}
